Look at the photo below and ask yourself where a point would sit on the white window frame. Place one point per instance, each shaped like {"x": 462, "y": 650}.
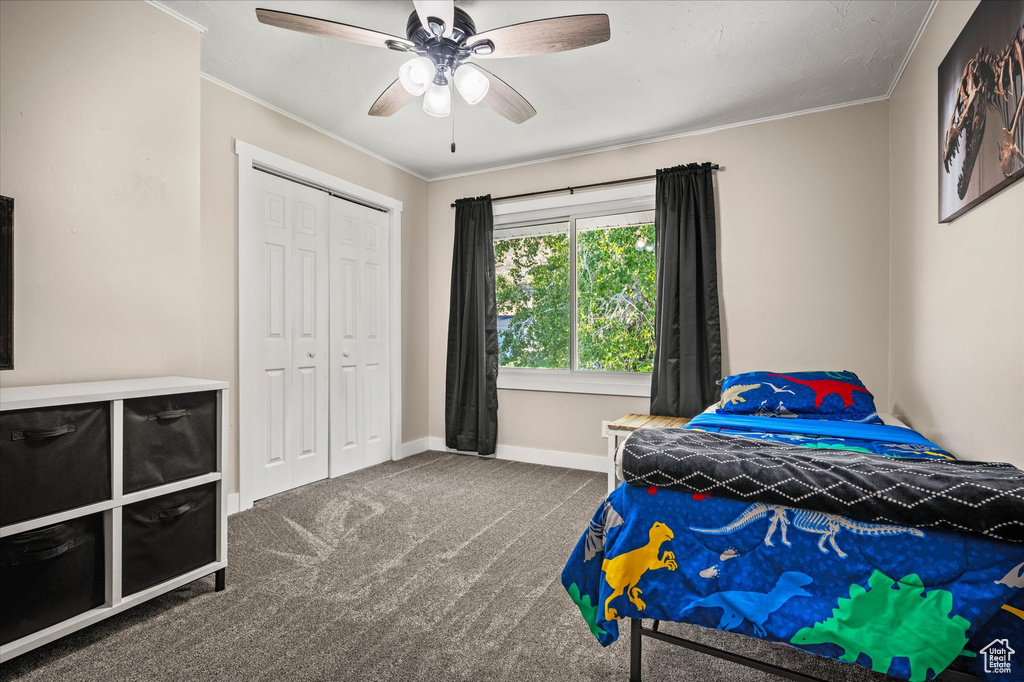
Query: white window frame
{"x": 623, "y": 199}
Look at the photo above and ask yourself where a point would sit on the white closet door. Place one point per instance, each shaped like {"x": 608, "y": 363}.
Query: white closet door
{"x": 290, "y": 441}
{"x": 360, "y": 371}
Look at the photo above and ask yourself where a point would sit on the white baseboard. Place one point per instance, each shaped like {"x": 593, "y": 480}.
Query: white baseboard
{"x": 414, "y": 447}
{"x": 553, "y": 458}
{"x": 232, "y": 504}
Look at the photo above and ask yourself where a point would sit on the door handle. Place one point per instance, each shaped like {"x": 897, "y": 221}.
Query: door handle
{"x": 311, "y": 354}
{"x": 345, "y": 353}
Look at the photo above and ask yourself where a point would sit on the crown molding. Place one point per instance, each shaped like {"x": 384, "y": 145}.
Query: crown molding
{"x": 306, "y": 123}
{"x": 676, "y": 136}
{"x": 913, "y": 48}
{"x": 177, "y": 15}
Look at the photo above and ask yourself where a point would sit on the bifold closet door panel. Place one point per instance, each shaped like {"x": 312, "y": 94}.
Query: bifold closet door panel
{"x": 169, "y": 438}
{"x": 168, "y": 536}
{"x": 50, "y": 574}
{"x": 52, "y": 459}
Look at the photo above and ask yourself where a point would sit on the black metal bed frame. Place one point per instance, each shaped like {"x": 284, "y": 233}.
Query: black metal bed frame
{"x": 637, "y": 632}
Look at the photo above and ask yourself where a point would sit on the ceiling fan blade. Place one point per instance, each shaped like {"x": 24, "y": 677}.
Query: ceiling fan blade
{"x": 545, "y": 36}
{"x": 441, "y": 9}
{"x": 391, "y": 100}
{"x": 503, "y": 98}
{"x": 331, "y": 29}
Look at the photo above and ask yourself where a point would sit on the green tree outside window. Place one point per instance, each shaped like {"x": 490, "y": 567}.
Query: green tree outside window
{"x": 615, "y": 293}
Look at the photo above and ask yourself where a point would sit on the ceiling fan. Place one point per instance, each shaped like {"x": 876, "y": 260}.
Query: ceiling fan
{"x": 443, "y": 37}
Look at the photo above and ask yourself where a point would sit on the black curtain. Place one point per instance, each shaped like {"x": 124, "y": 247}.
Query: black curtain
{"x": 471, "y": 380}
{"x": 687, "y": 338}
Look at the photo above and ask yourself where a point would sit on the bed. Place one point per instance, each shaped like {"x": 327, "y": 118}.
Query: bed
{"x": 906, "y": 588}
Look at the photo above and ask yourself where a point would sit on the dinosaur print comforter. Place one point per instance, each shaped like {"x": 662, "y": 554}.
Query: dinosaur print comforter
{"x": 904, "y": 601}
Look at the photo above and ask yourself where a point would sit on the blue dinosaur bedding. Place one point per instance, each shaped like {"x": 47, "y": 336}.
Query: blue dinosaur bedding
{"x": 893, "y": 441}
{"x": 899, "y": 600}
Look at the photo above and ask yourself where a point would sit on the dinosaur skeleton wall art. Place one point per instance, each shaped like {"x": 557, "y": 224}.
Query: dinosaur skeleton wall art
{"x": 987, "y": 63}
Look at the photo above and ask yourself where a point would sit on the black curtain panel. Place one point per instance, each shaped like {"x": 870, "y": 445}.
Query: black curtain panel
{"x": 687, "y": 338}
{"x": 471, "y": 380}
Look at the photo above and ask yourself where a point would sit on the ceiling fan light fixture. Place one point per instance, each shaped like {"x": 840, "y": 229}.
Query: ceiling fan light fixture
{"x": 472, "y": 84}
{"x": 437, "y": 101}
{"x": 416, "y": 75}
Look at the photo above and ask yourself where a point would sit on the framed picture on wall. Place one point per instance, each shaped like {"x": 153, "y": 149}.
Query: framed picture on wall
{"x": 981, "y": 121}
{"x": 6, "y": 282}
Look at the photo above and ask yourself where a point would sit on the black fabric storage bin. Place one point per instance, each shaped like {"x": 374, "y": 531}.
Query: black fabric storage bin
{"x": 52, "y": 459}
{"x": 167, "y": 536}
{"x": 50, "y": 574}
{"x": 168, "y": 438}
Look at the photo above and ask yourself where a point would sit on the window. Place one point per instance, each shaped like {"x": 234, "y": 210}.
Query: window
{"x": 532, "y": 289}
{"x": 615, "y": 292}
{"x": 575, "y": 297}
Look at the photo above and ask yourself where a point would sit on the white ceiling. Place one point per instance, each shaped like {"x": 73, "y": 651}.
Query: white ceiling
{"x": 669, "y": 68}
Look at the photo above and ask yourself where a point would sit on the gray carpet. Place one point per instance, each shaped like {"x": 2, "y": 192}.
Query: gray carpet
{"x": 437, "y": 567}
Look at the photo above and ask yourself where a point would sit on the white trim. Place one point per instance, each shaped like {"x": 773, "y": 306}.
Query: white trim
{"x": 913, "y": 46}
{"x": 570, "y": 207}
{"x": 306, "y": 123}
{"x": 26, "y": 397}
{"x": 519, "y": 164}
{"x": 636, "y": 384}
{"x": 665, "y": 138}
{"x": 612, "y": 199}
{"x": 414, "y": 447}
{"x": 553, "y": 458}
{"x": 177, "y": 15}
{"x": 233, "y": 504}
{"x": 336, "y": 184}
{"x": 247, "y": 154}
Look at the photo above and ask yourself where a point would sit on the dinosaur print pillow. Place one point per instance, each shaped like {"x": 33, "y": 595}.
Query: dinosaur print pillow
{"x": 811, "y": 395}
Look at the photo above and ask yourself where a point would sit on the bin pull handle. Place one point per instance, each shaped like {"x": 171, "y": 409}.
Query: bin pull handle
{"x": 174, "y": 513}
{"x": 37, "y": 434}
{"x": 42, "y": 555}
{"x": 169, "y": 414}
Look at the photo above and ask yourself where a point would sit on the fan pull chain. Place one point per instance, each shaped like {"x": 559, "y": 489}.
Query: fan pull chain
{"x": 453, "y": 123}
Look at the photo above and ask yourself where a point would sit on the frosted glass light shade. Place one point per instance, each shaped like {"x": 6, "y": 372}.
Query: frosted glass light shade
{"x": 416, "y": 75}
{"x": 437, "y": 100}
{"x": 472, "y": 84}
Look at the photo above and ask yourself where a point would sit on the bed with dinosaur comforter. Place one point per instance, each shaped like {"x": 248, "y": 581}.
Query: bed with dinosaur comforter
{"x": 869, "y": 587}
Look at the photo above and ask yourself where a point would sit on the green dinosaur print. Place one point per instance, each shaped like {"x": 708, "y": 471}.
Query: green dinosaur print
{"x": 588, "y": 610}
{"x": 893, "y": 620}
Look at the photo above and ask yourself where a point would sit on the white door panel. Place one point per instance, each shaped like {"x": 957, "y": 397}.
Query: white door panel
{"x": 291, "y": 441}
{"x": 360, "y": 378}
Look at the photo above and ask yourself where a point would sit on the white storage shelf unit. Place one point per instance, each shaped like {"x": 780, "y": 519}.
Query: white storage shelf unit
{"x": 173, "y": 391}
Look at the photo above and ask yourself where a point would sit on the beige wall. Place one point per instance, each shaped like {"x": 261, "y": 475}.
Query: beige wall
{"x": 804, "y": 244}
{"x": 126, "y": 265}
{"x": 99, "y": 146}
{"x": 957, "y": 298}
{"x": 227, "y": 116}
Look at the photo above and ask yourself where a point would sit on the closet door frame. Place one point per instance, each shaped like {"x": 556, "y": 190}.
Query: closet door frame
{"x": 249, "y": 157}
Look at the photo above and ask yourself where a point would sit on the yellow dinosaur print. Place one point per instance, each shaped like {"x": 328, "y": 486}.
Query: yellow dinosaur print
{"x": 732, "y": 396}
{"x": 1017, "y": 612}
{"x": 624, "y": 571}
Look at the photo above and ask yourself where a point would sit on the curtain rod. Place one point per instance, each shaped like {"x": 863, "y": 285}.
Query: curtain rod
{"x": 572, "y": 190}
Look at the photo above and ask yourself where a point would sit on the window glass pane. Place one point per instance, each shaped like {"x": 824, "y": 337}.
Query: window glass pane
{"x": 615, "y": 292}
{"x": 532, "y": 290}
